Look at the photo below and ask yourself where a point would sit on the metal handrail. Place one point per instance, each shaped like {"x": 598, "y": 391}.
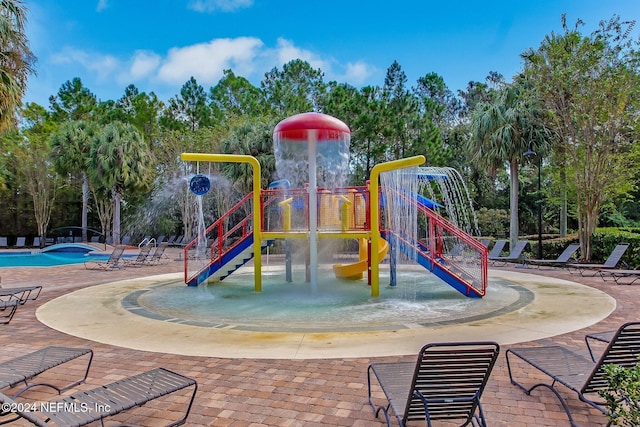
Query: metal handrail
{"x": 218, "y": 244}
{"x": 438, "y": 226}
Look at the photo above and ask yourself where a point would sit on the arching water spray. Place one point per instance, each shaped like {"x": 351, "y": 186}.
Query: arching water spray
{"x": 403, "y": 190}
{"x": 443, "y": 186}
{"x": 401, "y": 217}
{"x": 446, "y": 186}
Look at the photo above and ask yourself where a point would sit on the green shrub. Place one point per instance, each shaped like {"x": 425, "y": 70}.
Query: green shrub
{"x": 552, "y": 246}
{"x": 493, "y": 222}
{"x": 623, "y": 395}
{"x": 605, "y": 239}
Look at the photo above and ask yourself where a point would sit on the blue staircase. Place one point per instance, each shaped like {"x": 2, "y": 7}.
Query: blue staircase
{"x": 229, "y": 262}
{"x": 436, "y": 265}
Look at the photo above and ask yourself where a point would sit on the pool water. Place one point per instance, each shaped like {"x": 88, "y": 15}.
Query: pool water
{"x": 50, "y": 257}
{"x": 337, "y": 305}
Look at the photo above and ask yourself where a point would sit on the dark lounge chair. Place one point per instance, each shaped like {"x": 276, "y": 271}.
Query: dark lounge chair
{"x": 514, "y": 255}
{"x": 445, "y": 383}
{"x": 23, "y": 369}
{"x": 610, "y": 263}
{"x": 8, "y": 308}
{"x": 141, "y": 258}
{"x": 112, "y": 262}
{"x": 497, "y": 248}
{"x": 111, "y": 399}
{"x": 177, "y": 242}
{"x": 21, "y": 242}
{"x": 601, "y": 337}
{"x": 620, "y": 276}
{"x": 22, "y": 293}
{"x": 11, "y": 298}
{"x": 564, "y": 258}
{"x": 574, "y": 370}
{"x": 158, "y": 256}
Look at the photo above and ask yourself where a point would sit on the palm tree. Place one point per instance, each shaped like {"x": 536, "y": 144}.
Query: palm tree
{"x": 120, "y": 161}
{"x": 16, "y": 60}
{"x": 503, "y": 130}
{"x": 70, "y": 149}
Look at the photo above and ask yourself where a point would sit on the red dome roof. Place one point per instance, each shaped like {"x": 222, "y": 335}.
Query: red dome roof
{"x": 296, "y": 127}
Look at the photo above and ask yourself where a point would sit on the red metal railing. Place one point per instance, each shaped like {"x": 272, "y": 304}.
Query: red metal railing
{"x": 218, "y": 240}
{"x": 450, "y": 248}
{"x": 446, "y": 245}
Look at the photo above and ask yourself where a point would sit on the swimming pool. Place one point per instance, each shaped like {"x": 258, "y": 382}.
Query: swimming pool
{"x": 60, "y": 254}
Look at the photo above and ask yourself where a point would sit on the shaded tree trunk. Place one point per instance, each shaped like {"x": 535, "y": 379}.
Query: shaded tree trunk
{"x": 104, "y": 207}
{"x": 117, "y": 199}
{"x": 514, "y": 230}
{"x": 85, "y": 205}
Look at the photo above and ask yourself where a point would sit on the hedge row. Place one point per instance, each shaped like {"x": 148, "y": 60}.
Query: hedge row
{"x": 603, "y": 242}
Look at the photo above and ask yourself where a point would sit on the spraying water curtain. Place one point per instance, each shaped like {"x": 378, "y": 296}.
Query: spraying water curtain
{"x": 445, "y": 191}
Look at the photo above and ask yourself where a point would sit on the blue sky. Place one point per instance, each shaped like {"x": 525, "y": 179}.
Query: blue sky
{"x": 158, "y": 45}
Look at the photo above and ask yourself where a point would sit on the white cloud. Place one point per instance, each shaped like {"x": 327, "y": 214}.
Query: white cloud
{"x": 208, "y": 6}
{"x": 102, "y": 5}
{"x": 103, "y": 66}
{"x": 286, "y": 51}
{"x": 357, "y": 73}
{"x": 143, "y": 65}
{"x": 207, "y": 61}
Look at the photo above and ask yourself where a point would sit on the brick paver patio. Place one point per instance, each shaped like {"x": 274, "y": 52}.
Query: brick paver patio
{"x": 248, "y": 392}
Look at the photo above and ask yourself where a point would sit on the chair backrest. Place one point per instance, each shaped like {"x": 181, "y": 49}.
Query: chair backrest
{"x": 623, "y": 350}
{"x": 21, "y": 241}
{"x": 36, "y": 242}
{"x": 3, "y": 242}
{"x": 116, "y": 254}
{"x": 485, "y": 242}
{"x": 616, "y": 255}
{"x": 157, "y": 254}
{"x": 517, "y": 249}
{"x": 144, "y": 252}
{"x": 497, "y": 249}
{"x": 449, "y": 378}
{"x": 568, "y": 252}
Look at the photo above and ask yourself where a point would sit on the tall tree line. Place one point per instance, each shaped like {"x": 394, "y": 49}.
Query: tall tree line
{"x": 98, "y": 154}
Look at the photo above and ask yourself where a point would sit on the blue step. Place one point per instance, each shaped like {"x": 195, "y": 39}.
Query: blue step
{"x": 423, "y": 258}
{"x": 229, "y": 262}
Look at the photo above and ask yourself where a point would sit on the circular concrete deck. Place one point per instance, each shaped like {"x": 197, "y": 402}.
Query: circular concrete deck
{"x": 97, "y": 313}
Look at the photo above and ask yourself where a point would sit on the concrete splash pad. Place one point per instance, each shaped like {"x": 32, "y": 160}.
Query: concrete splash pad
{"x": 101, "y": 313}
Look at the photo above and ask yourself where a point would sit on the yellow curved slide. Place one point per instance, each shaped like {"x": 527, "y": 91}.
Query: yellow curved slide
{"x": 356, "y": 270}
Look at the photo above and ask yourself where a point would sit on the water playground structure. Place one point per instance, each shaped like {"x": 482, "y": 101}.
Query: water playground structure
{"x": 310, "y": 204}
